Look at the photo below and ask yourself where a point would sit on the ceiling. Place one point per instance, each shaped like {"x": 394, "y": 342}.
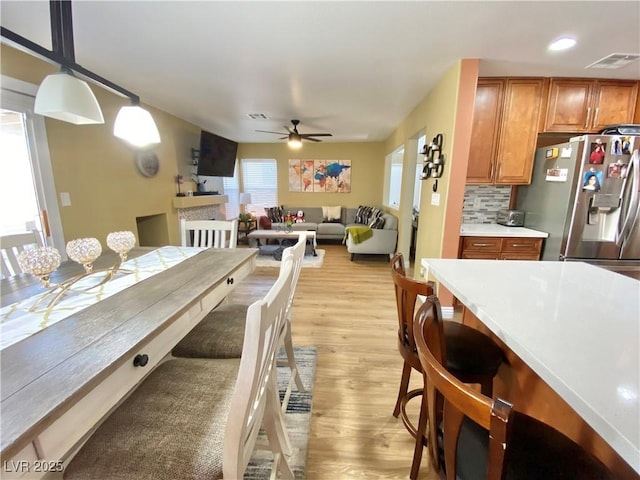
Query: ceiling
{"x": 354, "y": 69}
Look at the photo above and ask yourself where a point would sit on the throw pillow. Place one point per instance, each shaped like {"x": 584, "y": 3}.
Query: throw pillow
{"x": 275, "y": 214}
{"x": 362, "y": 214}
{"x": 265, "y": 223}
{"x": 377, "y": 222}
{"x": 331, "y": 213}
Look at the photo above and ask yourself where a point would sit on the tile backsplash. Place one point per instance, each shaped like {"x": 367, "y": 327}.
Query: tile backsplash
{"x": 482, "y": 202}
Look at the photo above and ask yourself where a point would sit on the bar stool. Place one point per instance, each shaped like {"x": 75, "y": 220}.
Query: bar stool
{"x": 474, "y": 436}
{"x": 473, "y": 357}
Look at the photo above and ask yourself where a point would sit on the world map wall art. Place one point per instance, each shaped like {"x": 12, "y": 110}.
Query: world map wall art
{"x": 320, "y": 176}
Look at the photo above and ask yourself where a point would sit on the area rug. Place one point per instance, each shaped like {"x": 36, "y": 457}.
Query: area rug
{"x": 297, "y": 418}
{"x": 309, "y": 261}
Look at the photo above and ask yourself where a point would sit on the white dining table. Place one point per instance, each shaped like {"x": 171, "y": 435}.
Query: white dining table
{"x": 575, "y": 325}
{"x": 58, "y": 383}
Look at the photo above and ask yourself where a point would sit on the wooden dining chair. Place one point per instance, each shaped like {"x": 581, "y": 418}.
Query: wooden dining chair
{"x": 195, "y": 418}
{"x": 11, "y": 246}
{"x": 473, "y": 436}
{"x": 209, "y": 233}
{"x": 474, "y": 357}
{"x": 221, "y": 333}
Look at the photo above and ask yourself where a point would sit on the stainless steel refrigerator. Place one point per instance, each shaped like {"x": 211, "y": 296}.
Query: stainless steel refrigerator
{"x": 584, "y": 194}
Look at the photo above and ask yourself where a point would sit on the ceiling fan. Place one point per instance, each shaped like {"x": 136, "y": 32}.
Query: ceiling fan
{"x": 294, "y": 137}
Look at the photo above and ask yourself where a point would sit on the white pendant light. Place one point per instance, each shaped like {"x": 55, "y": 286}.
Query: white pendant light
{"x": 67, "y": 98}
{"x": 136, "y": 126}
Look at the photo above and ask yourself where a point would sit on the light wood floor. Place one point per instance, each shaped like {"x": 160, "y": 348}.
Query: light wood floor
{"x": 347, "y": 309}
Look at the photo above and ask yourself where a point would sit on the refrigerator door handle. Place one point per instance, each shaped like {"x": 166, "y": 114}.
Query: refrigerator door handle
{"x": 632, "y": 182}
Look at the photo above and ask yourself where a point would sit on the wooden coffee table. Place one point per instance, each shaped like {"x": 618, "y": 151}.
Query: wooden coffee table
{"x": 280, "y": 235}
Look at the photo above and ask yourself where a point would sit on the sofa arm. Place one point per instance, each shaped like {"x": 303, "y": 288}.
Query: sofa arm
{"x": 382, "y": 241}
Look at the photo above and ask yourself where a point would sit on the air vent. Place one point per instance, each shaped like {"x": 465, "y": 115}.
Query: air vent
{"x": 258, "y": 116}
{"x": 615, "y": 60}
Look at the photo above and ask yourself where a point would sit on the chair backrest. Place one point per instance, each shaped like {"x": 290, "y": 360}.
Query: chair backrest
{"x": 209, "y": 233}
{"x": 297, "y": 254}
{"x": 407, "y": 291}
{"x": 458, "y": 399}
{"x": 255, "y": 388}
{"x": 10, "y": 248}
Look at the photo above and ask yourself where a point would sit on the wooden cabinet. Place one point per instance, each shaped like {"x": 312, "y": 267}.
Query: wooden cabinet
{"x": 501, "y": 248}
{"x": 587, "y": 105}
{"x": 504, "y": 132}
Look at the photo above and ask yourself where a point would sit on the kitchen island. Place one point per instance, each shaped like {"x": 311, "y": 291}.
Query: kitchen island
{"x": 572, "y": 336}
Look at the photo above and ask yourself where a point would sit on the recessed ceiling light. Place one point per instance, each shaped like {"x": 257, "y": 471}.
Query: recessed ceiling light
{"x": 562, "y": 43}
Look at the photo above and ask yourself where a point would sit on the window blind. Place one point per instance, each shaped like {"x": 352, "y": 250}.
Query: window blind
{"x": 260, "y": 179}
{"x": 231, "y": 188}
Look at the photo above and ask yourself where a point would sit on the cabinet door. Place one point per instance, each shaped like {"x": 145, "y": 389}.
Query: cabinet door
{"x": 613, "y": 103}
{"x": 569, "y": 106}
{"x": 484, "y": 133}
{"x": 518, "y": 130}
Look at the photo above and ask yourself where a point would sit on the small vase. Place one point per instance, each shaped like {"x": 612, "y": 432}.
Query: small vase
{"x": 288, "y": 228}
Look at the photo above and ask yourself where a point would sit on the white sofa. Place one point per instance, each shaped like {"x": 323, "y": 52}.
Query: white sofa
{"x": 383, "y": 240}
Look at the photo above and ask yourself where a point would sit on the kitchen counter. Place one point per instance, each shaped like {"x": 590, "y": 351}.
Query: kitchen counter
{"x": 495, "y": 230}
{"x": 575, "y": 325}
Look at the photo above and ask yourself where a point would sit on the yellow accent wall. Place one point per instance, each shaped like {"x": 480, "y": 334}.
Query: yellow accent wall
{"x": 98, "y": 170}
{"x": 367, "y": 171}
{"x": 446, "y": 109}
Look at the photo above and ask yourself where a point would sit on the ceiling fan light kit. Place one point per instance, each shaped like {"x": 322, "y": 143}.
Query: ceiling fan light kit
{"x": 295, "y": 138}
{"x": 65, "y": 97}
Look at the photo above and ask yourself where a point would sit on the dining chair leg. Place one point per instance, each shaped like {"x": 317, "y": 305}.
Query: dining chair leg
{"x": 421, "y": 439}
{"x": 404, "y": 386}
{"x": 291, "y": 359}
{"x": 274, "y": 413}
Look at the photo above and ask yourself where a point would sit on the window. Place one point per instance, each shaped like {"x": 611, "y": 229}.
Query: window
{"x": 418, "y": 179}
{"x": 231, "y": 188}
{"x": 260, "y": 179}
{"x": 393, "y": 178}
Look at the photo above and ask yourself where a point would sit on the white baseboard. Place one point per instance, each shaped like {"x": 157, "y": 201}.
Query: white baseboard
{"x": 447, "y": 313}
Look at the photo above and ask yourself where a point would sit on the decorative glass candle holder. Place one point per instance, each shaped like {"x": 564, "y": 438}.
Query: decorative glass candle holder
{"x": 121, "y": 243}
{"x": 41, "y": 262}
{"x": 85, "y": 251}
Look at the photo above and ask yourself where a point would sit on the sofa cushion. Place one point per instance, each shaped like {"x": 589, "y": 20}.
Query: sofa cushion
{"x": 336, "y": 229}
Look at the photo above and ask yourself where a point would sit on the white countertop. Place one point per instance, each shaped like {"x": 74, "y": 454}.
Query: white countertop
{"x": 576, "y": 325}
{"x": 495, "y": 230}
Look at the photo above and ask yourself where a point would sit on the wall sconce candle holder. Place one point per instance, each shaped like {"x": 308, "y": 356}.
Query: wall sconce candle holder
{"x": 434, "y": 160}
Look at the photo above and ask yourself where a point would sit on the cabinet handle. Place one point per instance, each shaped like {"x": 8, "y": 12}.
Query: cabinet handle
{"x": 491, "y": 172}
{"x": 586, "y": 125}
{"x": 595, "y": 117}
{"x": 518, "y": 245}
{"x": 482, "y": 244}
{"x": 230, "y": 281}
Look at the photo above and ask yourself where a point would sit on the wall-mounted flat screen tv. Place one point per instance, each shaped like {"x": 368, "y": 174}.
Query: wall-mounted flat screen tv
{"x": 217, "y": 155}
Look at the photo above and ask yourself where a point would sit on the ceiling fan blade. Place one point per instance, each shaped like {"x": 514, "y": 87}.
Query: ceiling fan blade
{"x": 305, "y": 135}
{"x": 267, "y": 131}
{"x": 283, "y": 138}
{"x": 312, "y": 139}
{"x": 289, "y": 129}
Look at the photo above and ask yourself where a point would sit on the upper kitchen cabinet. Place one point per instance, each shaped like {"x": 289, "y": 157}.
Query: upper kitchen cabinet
{"x": 505, "y": 127}
{"x": 586, "y": 106}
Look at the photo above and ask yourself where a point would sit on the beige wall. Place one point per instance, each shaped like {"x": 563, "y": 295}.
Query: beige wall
{"x": 437, "y": 113}
{"x": 98, "y": 170}
{"x": 367, "y": 171}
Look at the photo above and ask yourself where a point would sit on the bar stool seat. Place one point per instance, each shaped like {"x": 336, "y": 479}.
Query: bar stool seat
{"x": 535, "y": 451}
{"x": 482, "y": 437}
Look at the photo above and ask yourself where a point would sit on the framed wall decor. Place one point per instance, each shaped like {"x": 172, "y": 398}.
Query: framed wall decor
{"x": 320, "y": 176}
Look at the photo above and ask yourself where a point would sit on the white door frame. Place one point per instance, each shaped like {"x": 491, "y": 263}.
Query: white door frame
{"x": 19, "y": 96}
